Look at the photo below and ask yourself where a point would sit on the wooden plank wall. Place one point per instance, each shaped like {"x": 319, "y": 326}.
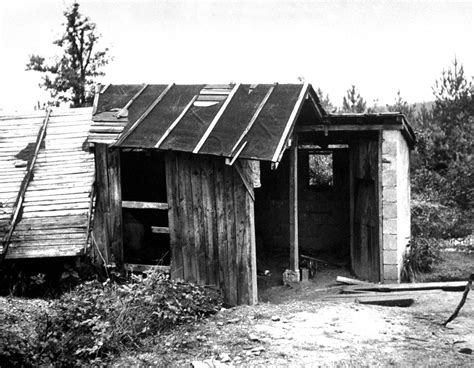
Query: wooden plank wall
{"x": 108, "y": 210}
{"x": 212, "y": 226}
{"x": 55, "y": 211}
{"x": 365, "y": 244}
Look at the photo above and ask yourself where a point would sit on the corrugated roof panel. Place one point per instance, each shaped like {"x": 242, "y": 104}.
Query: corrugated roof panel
{"x": 235, "y": 119}
{"x": 160, "y": 118}
{"x": 267, "y": 131}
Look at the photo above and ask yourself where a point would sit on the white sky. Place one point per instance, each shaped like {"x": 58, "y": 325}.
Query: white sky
{"x": 380, "y": 46}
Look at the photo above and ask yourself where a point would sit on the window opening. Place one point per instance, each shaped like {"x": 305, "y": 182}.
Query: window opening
{"x": 320, "y": 169}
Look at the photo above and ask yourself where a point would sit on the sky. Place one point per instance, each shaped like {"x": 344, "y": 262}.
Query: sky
{"x": 379, "y": 46}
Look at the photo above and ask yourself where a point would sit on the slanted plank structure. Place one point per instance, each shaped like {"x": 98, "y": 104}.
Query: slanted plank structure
{"x": 197, "y": 177}
{"x": 46, "y": 176}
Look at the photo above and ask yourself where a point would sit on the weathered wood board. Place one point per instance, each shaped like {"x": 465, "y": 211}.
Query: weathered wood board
{"x": 211, "y": 222}
{"x": 55, "y": 210}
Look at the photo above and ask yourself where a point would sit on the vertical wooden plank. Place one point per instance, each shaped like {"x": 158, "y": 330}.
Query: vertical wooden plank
{"x": 239, "y": 244}
{"x": 185, "y": 198}
{"x": 252, "y": 253}
{"x": 221, "y": 226}
{"x": 172, "y": 185}
{"x": 197, "y": 217}
{"x": 293, "y": 200}
{"x": 115, "y": 205}
{"x": 229, "y": 202}
{"x": 378, "y": 196}
{"x": 351, "y": 201}
{"x": 207, "y": 175}
{"x": 100, "y": 216}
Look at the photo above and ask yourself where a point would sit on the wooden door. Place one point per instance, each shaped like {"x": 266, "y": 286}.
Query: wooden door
{"x": 365, "y": 244}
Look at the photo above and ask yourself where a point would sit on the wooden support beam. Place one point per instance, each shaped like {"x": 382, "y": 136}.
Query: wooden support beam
{"x": 145, "y": 205}
{"x": 124, "y": 112}
{"x": 289, "y": 125}
{"x": 293, "y": 200}
{"x": 174, "y": 123}
{"x": 134, "y": 267}
{"x": 160, "y": 230}
{"x": 254, "y": 118}
{"x": 216, "y": 119}
{"x": 349, "y": 127}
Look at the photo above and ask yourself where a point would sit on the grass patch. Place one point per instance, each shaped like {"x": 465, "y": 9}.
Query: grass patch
{"x": 451, "y": 266}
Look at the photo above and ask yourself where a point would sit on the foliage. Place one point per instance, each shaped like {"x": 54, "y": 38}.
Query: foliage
{"x": 353, "y": 102}
{"x": 443, "y": 161}
{"x": 431, "y": 220}
{"x": 70, "y": 77}
{"x": 16, "y": 350}
{"x": 99, "y": 319}
{"x": 422, "y": 254}
{"x": 325, "y": 101}
{"x": 402, "y": 106}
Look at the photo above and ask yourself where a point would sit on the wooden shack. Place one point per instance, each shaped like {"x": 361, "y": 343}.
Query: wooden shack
{"x": 197, "y": 177}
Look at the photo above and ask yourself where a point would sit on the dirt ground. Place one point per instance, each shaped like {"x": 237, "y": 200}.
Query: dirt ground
{"x": 295, "y": 326}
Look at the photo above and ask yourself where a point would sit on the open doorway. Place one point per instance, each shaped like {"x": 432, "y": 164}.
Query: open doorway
{"x": 144, "y": 208}
{"x": 323, "y": 214}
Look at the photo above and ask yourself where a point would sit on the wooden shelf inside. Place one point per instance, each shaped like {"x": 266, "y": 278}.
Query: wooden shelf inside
{"x": 145, "y": 205}
{"x": 160, "y": 230}
{"x": 134, "y": 267}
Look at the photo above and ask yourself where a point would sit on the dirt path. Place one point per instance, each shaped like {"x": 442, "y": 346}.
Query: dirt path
{"x": 323, "y": 333}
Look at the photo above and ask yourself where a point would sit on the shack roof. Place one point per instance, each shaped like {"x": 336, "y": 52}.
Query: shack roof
{"x": 353, "y": 122}
{"x": 56, "y": 207}
{"x": 251, "y": 121}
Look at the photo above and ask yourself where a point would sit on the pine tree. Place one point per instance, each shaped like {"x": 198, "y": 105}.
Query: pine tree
{"x": 353, "y": 102}
{"x": 71, "y": 77}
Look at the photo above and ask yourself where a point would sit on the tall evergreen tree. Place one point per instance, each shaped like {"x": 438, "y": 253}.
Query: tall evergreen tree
{"x": 71, "y": 76}
{"x": 353, "y": 102}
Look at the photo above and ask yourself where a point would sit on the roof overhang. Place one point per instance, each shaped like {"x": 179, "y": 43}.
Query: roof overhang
{"x": 364, "y": 122}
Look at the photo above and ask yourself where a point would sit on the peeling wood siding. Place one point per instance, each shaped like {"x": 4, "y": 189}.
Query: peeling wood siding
{"x": 212, "y": 229}
{"x": 55, "y": 210}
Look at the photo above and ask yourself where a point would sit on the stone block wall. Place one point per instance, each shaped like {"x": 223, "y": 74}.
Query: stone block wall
{"x": 395, "y": 203}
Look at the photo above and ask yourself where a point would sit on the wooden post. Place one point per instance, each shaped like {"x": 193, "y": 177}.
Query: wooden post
{"x": 115, "y": 205}
{"x": 293, "y": 201}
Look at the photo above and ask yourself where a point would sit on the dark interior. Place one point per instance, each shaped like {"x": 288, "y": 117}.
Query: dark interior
{"x": 323, "y": 203}
{"x": 144, "y": 180}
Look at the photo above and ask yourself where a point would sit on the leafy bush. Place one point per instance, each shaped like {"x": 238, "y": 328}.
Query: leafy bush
{"x": 430, "y": 219}
{"x": 98, "y": 319}
{"x": 15, "y": 350}
{"x": 422, "y": 254}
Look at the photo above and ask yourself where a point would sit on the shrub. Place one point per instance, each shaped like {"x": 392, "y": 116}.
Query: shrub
{"x": 421, "y": 255}
{"x": 98, "y": 319}
{"x": 433, "y": 220}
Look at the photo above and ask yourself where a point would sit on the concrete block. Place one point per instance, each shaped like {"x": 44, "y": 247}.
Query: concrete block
{"x": 290, "y": 276}
{"x": 389, "y": 194}
{"x": 389, "y": 210}
{"x": 391, "y": 273}
{"x": 390, "y": 242}
{"x": 390, "y": 257}
{"x": 389, "y": 147}
{"x": 389, "y": 178}
{"x": 389, "y": 226}
{"x": 389, "y": 164}
{"x": 304, "y": 274}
